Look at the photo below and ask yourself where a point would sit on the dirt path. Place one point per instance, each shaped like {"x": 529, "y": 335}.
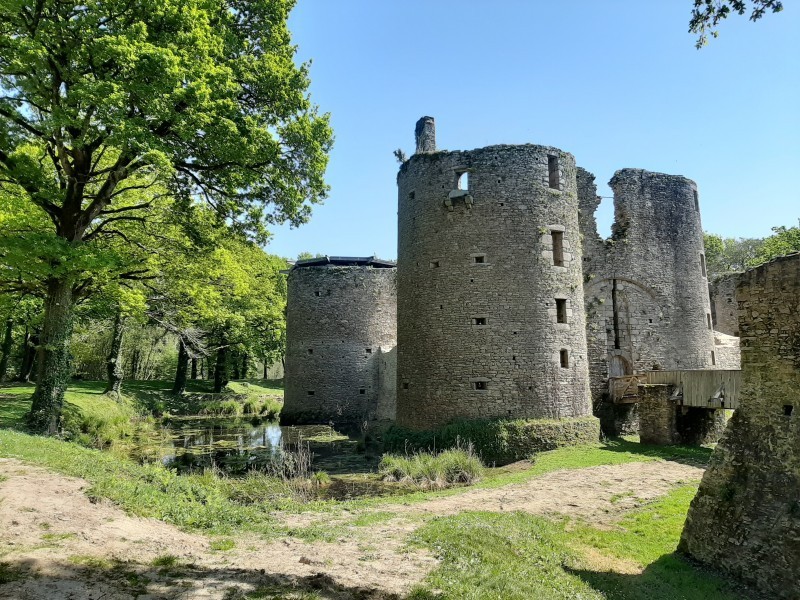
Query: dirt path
{"x": 82, "y": 550}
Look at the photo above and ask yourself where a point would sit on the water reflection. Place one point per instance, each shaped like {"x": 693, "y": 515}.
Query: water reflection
{"x": 237, "y": 445}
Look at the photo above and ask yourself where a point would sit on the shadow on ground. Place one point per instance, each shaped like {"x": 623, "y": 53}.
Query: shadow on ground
{"x": 118, "y": 580}
{"x": 671, "y": 576}
{"x": 697, "y": 456}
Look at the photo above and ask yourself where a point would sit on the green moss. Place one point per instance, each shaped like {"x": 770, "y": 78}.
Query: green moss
{"x": 499, "y": 441}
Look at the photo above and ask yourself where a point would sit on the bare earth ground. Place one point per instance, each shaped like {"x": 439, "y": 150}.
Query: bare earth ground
{"x": 49, "y": 526}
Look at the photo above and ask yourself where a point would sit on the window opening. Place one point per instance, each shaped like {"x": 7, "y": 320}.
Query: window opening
{"x": 696, "y": 201}
{"x": 310, "y": 392}
{"x": 435, "y": 264}
{"x": 479, "y": 385}
{"x": 479, "y": 320}
{"x": 564, "y": 355}
{"x": 411, "y": 195}
{"x": 708, "y": 319}
{"x": 788, "y": 409}
{"x": 703, "y": 264}
{"x": 713, "y": 358}
{"x": 552, "y": 172}
{"x": 362, "y": 391}
{"x": 479, "y": 260}
{"x": 462, "y": 180}
{"x": 311, "y": 351}
{"x": 405, "y": 385}
{"x": 318, "y": 294}
{"x": 558, "y": 248}
{"x": 561, "y": 310}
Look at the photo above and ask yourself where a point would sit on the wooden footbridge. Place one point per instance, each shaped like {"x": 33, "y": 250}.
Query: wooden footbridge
{"x": 702, "y": 388}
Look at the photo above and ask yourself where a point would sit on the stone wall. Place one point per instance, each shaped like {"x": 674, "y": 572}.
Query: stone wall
{"x": 657, "y": 415}
{"x": 340, "y": 322}
{"x": 646, "y": 291}
{"x": 723, "y": 303}
{"x": 490, "y": 295}
{"x": 745, "y": 519}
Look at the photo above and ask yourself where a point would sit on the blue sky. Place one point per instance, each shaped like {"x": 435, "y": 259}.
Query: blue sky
{"x": 618, "y": 83}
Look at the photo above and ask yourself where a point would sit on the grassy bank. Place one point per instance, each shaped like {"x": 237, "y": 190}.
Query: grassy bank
{"x": 518, "y": 556}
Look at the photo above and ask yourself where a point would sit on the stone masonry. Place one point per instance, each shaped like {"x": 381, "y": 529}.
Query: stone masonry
{"x": 490, "y": 306}
{"x": 341, "y": 330}
{"x": 723, "y": 304}
{"x": 646, "y": 291}
{"x": 745, "y": 519}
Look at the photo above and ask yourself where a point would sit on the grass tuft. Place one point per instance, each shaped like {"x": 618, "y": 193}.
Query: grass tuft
{"x": 428, "y": 470}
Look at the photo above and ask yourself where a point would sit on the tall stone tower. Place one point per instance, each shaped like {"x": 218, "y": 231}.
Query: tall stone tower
{"x": 341, "y": 333}
{"x": 490, "y": 300}
{"x": 646, "y": 287}
{"x": 745, "y": 519}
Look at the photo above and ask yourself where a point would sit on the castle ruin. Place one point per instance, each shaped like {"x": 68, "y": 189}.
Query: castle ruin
{"x": 745, "y": 519}
{"x": 341, "y": 331}
{"x": 490, "y": 306}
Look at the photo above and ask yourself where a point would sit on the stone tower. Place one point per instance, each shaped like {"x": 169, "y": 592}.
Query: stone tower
{"x": 490, "y": 301}
{"x": 745, "y": 519}
{"x": 646, "y": 287}
{"x": 341, "y": 331}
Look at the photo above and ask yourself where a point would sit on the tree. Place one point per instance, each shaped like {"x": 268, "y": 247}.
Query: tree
{"x": 725, "y": 255}
{"x": 784, "y": 240}
{"x": 102, "y": 99}
{"x": 707, "y": 15}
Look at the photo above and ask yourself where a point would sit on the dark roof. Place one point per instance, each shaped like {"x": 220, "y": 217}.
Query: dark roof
{"x": 345, "y": 261}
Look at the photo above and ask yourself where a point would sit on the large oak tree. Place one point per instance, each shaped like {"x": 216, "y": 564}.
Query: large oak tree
{"x": 102, "y": 98}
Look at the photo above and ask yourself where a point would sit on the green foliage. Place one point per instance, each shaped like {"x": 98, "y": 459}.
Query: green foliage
{"x": 498, "y": 441}
{"x": 707, "y": 15}
{"x": 222, "y": 544}
{"x": 725, "y": 255}
{"x": 784, "y": 240}
{"x": 450, "y": 467}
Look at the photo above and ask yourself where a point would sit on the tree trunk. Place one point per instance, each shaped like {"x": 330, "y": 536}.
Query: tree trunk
{"x": 28, "y": 356}
{"x": 183, "y": 367}
{"x": 5, "y": 349}
{"x": 136, "y": 359}
{"x": 114, "y": 370}
{"x": 221, "y": 370}
{"x": 53, "y": 358}
{"x": 210, "y": 368}
{"x": 194, "y": 369}
{"x": 244, "y": 365}
{"x": 236, "y": 362}
{"x": 266, "y": 368}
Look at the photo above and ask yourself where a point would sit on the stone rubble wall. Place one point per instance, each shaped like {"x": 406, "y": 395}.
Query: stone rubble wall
{"x": 723, "y": 303}
{"x": 340, "y": 321}
{"x": 745, "y": 519}
{"x": 465, "y": 324}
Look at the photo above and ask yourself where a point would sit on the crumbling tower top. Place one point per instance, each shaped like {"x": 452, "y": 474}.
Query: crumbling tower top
{"x": 425, "y": 135}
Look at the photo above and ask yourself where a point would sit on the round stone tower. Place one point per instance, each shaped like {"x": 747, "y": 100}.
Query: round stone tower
{"x": 490, "y": 298}
{"x": 341, "y": 331}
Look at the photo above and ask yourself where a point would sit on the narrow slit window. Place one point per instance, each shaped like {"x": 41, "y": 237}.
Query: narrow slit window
{"x": 703, "y": 264}
{"x": 412, "y": 195}
{"x": 480, "y": 385}
{"x": 561, "y": 310}
{"x": 405, "y": 385}
{"x": 713, "y": 358}
{"x": 558, "y": 248}
{"x": 552, "y": 172}
{"x": 462, "y": 180}
{"x": 708, "y": 319}
{"x": 311, "y": 351}
{"x": 564, "y": 356}
{"x": 696, "y": 201}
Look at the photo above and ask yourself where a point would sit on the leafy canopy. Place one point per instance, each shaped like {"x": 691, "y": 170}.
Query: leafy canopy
{"x": 707, "y": 15}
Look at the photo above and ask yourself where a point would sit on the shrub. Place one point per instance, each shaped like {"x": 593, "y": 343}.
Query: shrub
{"x": 251, "y": 406}
{"x": 498, "y": 441}
{"x": 450, "y": 467}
